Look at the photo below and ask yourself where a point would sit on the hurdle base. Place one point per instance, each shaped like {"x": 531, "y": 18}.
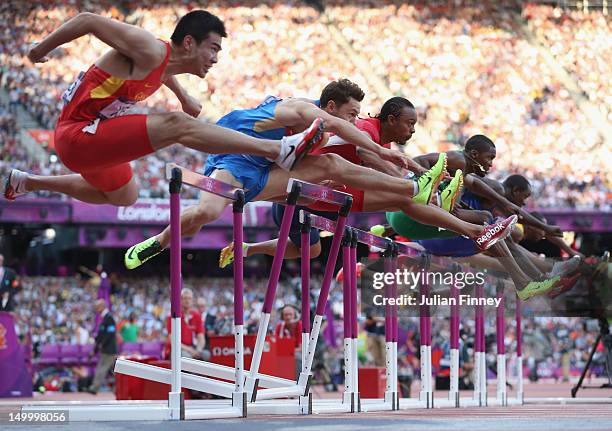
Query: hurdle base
{"x": 239, "y": 401}
{"x": 176, "y": 404}
{"x": 455, "y": 397}
{"x": 427, "y": 398}
{"x": 392, "y": 397}
{"x": 86, "y": 412}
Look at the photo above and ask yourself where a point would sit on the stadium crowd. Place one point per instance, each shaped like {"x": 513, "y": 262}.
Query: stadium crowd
{"x": 287, "y": 50}
{"x": 502, "y": 87}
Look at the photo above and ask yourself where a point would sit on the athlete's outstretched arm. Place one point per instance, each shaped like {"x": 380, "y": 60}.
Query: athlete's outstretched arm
{"x": 480, "y": 188}
{"x": 131, "y": 41}
{"x": 190, "y": 104}
{"x": 305, "y": 113}
{"x": 371, "y": 160}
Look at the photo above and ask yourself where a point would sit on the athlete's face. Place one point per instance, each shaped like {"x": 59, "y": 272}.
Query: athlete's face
{"x": 485, "y": 160}
{"x": 401, "y": 126}
{"x": 203, "y": 55}
{"x": 519, "y": 197}
{"x": 348, "y": 111}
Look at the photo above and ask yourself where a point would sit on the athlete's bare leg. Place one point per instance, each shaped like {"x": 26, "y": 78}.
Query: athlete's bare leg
{"x": 540, "y": 263}
{"x": 524, "y": 260}
{"x": 177, "y": 127}
{"x": 163, "y": 130}
{"x": 383, "y": 192}
{"x": 292, "y": 251}
{"x": 75, "y": 185}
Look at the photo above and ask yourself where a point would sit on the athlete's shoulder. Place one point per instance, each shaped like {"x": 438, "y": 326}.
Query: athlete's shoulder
{"x": 369, "y": 125}
{"x": 455, "y": 160}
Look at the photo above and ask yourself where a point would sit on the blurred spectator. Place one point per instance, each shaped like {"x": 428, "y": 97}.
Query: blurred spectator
{"x": 375, "y": 338}
{"x": 105, "y": 344}
{"x": 128, "y": 329}
{"x": 192, "y": 330}
{"x": 504, "y": 87}
{"x": 8, "y": 287}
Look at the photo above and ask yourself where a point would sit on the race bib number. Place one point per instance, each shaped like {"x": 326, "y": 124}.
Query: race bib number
{"x": 116, "y": 109}
{"x": 69, "y": 93}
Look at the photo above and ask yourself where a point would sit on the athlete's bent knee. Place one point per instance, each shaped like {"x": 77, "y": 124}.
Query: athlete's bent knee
{"x": 126, "y": 199}
{"x": 169, "y": 128}
{"x": 315, "y": 250}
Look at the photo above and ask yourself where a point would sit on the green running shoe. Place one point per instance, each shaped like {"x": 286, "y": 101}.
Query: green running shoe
{"x": 138, "y": 254}
{"x": 378, "y": 230}
{"x": 452, "y": 192}
{"x": 429, "y": 181}
{"x": 535, "y": 288}
{"x": 227, "y": 254}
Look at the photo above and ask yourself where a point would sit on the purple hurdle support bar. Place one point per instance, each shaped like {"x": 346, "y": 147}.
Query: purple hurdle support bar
{"x": 239, "y": 395}
{"x": 175, "y": 399}
{"x": 502, "y": 394}
{"x": 426, "y": 393}
{"x": 520, "y": 394}
{"x": 391, "y": 395}
{"x": 279, "y": 256}
{"x": 337, "y": 228}
{"x": 297, "y": 189}
{"x": 394, "y": 268}
{"x": 480, "y": 372}
{"x": 455, "y": 318}
{"x": 347, "y": 396}
{"x": 305, "y": 272}
{"x": 354, "y": 314}
{"x": 178, "y": 176}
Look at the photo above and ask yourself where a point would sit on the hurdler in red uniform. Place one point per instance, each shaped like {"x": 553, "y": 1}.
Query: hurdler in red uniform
{"x": 97, "y": 134}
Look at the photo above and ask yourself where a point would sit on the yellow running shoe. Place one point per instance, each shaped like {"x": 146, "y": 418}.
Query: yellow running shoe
{"x": 138, "y": 254}
{"x": 428, "y": 182}
{"x": 378, "y": 230}
{"x": 536, "y": 288}
{"x": 227, "y": 254}
{"x": 452, "y": 192}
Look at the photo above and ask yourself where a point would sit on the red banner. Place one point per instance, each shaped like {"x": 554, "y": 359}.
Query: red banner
{"x": 44, "y": 137}
{"x": 278, "y": 354}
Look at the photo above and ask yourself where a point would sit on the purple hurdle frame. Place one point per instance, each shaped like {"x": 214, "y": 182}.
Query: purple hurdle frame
{"x": 297, "y": 189}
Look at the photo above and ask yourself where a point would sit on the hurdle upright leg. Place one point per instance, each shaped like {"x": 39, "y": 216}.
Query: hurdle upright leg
{"x": 480, "y": 381}
{"x": 305, "y": 399}
{"x": 391, "y": 388}
{"x": 176, "y": 401}
{"x": 501, "y": 347}
{"x": 453, "y": 394}
{"x": 348, "y": 397}
{"x": 354, "y": 325}
{"x": 426, "y": 393}
{"x": 520, "y": 394}
{"x": 239, "y": 396}
{"x": 251, "y": 381}
{"x": 325, "y": 288}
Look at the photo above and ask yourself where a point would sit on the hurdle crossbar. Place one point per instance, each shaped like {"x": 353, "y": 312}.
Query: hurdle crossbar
{"x": 318, "y": 192}
{"x": 206, "y": 184}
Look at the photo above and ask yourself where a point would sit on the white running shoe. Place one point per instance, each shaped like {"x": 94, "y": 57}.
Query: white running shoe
{"x": 295, "y": 147}
{"x": 14, "y": 185}
{"x": 564, "y": 268}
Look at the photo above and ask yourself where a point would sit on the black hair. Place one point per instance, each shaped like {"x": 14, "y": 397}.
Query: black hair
{"x": 394, "y": 107}
{"x": 197, "y": 24}
{"x": 341, "y": 91}
{"x": 479, "y": 143}
{"x": 516, "y": 181}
